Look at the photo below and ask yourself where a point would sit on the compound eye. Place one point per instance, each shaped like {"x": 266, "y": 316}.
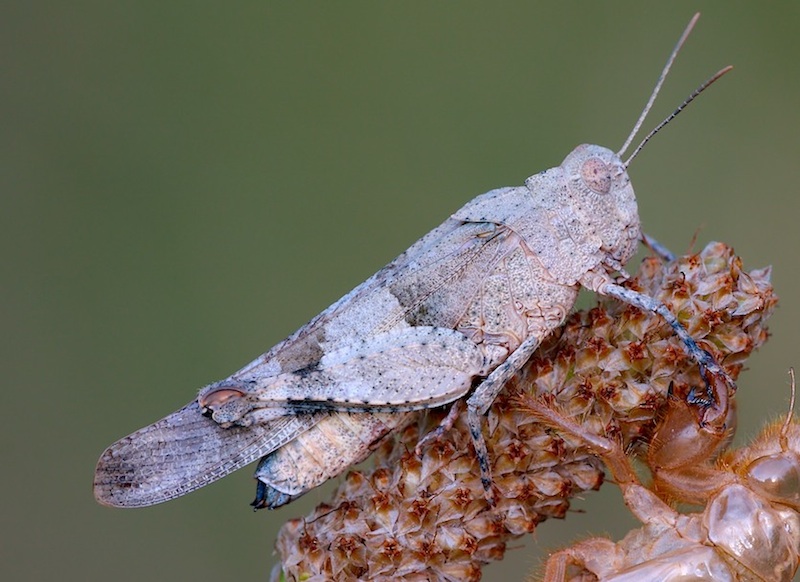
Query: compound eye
{"x": 596, "y": 175}
{"x": 777, "y": 477}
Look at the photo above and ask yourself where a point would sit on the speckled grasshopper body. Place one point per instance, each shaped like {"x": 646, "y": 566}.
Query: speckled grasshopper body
{"x": 463, "y": 308}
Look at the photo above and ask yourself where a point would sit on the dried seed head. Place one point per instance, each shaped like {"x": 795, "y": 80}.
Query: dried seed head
{"x": 427, "y": 519}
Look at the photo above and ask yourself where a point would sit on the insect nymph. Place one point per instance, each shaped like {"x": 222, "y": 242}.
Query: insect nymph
{"x": 464, "y": 307}
{"x": 748, "y": 530}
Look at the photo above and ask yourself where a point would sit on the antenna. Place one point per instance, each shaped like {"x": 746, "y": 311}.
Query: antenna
{"x": 674, "y": 114}
{"x": 660, "y": 82}
{"x": 654, "y": 94}
{"x": 785, "y": 428}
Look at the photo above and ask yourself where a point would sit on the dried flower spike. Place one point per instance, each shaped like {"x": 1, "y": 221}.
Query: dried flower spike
{"x": 611, "y": 367}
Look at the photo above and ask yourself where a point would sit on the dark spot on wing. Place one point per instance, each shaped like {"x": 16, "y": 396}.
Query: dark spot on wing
{"x": 308, "y": 370}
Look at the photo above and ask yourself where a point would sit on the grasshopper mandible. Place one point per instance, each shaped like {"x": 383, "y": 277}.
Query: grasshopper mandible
{"x": 466, "y": 306}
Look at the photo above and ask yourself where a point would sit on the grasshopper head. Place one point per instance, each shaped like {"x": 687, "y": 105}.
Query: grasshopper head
{"x": 601, "y": 196}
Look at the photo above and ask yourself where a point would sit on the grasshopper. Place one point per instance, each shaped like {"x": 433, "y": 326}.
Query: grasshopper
{"x": 465, "y": 307}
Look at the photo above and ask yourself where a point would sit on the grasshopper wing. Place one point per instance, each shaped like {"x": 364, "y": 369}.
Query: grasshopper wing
{"x": 183, "y": 452}
{"x": 187, "y": 450}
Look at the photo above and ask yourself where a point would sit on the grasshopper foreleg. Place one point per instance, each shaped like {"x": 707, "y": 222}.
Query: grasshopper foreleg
{"x": 707, "y": 363}
{"x": 660, "y": 250}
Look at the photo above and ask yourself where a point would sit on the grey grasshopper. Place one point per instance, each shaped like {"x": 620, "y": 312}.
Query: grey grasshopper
{"x": 457, "y": 313}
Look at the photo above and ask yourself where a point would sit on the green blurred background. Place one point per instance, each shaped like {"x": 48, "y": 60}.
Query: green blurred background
{"x": 186, "y": 183}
